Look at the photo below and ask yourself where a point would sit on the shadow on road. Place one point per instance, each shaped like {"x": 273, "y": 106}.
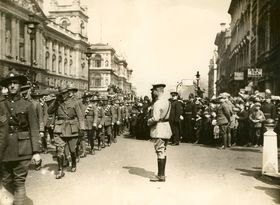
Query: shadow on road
{"x": 242, "y": 149}
{"x": 140, "y": 172}
{"x": 272, "y": 192}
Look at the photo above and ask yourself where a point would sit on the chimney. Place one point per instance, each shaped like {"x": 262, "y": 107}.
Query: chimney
{"x": 223, "y": 27}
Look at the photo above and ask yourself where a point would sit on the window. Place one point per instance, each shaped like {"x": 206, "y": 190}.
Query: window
{"x": 96, "y": 80}
{"x": 53, "y": 63}
{"x": 47, "y": 60}
{"x": 59, "y": 64}
{"x": 65, "y": 23}
{"x": 65, "y": 66}
{"x": 8, "y": 35}
{"x": 106, "y": 63}
{"x": 21, "y": 41}
{"x": 97, "y": 61}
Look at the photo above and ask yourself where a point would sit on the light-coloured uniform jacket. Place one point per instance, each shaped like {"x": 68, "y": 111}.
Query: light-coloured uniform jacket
{"x": 159, "y": 122}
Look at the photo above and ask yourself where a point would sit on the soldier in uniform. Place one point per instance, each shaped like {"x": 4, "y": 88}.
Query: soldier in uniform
{"x": 99, "y": 124}
{"x": 90, "y": 121}
{"x": 50, "y": 121}
{"x": 69, "y": 122}
{"x": 23, "y": 139}
{"x": 42, "y": 114}
{"x": 176, "y": 113}
{"x": 108, "y": 121}
{"x": 160, "y": 129}
{"x": 116, "y": 118}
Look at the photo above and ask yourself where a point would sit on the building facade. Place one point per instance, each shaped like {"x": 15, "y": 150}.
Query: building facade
{"x": 58, "y": 48}
{"x": 107, "y": 68}
{"x": 254, "y": 46}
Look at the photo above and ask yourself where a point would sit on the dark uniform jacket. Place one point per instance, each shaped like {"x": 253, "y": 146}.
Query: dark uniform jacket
{"x": 3, "y": 129}
{"x": 68, "y": 117}
{"x": 223, "y": 114}
{"x": 269, "y": 110}
{"x": 108, "y": 112}
{"x": 116, "y": 115}
{"x": 23, "y": 138}
{"x": 90, "y": 113}
{"x": 175, "y": 111}
{"x": 100, "y": 115}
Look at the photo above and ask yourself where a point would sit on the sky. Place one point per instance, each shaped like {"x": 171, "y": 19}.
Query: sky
{"x": 163, "y": 41}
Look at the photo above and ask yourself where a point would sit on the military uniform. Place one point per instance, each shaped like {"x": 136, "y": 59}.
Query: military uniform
{"x": 100, "y": 126}
{"x": 90, "y": 120}
{"x": 22, "y": 141}
{"x": 116, "y": 118}
{"x": 69, "y": 120}
{"x": 160, "y": 131}
{"x": 108, "y": 123}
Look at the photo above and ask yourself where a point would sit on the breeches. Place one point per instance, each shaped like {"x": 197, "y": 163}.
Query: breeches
{"x": 160, "y": 147}
{"x": 14, "y": 175}
{"x": 65, "y": 145}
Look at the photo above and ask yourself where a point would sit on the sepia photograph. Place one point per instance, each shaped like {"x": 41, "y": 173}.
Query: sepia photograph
{"x": 139, "y": 102}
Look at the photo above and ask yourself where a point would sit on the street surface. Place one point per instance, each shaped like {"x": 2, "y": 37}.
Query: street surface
{"x": 119, "y": 175}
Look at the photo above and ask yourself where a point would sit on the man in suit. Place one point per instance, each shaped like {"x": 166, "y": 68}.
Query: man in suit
{"x": 160, "y": 129}
{"x": 23, "y": 139}
{"x": 176, "y": 114}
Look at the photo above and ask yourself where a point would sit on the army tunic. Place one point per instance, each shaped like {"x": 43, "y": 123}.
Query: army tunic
{"x": 23, "y": 138}
{"x": 3, "y": 129}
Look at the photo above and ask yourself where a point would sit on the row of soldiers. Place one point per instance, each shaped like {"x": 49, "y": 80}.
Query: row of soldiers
{"x": 31, "y": 120}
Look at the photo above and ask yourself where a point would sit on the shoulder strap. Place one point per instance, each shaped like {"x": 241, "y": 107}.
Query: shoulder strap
{"x": 164, "y": 118}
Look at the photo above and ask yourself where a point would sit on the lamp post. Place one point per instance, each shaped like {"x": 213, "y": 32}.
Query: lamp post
{"x": 197, "y": 82}
{"x": 31, "y": 29}
{"x": 88, "y": 55}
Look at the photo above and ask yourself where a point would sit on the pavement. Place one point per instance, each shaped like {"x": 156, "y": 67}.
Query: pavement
{"x": 119, "y": 175}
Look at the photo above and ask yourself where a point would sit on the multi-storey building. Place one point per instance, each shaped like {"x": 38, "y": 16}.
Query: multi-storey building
{"x": 59, "y": 44}
{"x": 107, "y": 68}
{"x": 254, "y": 45}
{"x": 58, "y": 47}
{"x": 222, "y": 41}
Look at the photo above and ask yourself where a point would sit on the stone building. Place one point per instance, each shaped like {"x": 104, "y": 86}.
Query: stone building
{"x": 107, "y": 68}
{"x": 58, "y": 48}
{"x": 254, "y": 46}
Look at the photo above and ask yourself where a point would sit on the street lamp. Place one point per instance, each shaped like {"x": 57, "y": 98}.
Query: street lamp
{"x": 31, "y": 29}
{"x": 197, "y": 78}
{"x": 88, "y": 55}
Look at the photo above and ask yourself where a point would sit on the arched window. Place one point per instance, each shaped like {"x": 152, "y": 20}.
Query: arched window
{"x": 97, "y": 60}
{"x": 106, "y": 63}
{"x": 47, "y": 60}
{"x": 59, "y": 64}
{"x": 96, "y": 80}
{"x": 65, "y": 23}
{"x": 65, "y": 66}
{"x": 53, "y": 63}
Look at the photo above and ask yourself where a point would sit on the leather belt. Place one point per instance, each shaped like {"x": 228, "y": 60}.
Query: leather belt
{"x": 164, "y": 120}
{"x": 17, "y": 129}
{"x": 65, "y": 118}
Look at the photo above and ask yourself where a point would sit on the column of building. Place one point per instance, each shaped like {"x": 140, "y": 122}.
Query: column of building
{"x": 2, "y": 36}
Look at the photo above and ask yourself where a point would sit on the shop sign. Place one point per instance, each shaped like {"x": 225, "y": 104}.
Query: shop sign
{"x": 238, "y": 75}
{"x": 254, "y": 73}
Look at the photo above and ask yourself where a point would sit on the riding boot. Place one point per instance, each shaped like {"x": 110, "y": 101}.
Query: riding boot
{"x": 60, "y": 174}
{"x": 160, "y": 176}
{"x": 84, "y": 147}
{"x": 74, "y": 164}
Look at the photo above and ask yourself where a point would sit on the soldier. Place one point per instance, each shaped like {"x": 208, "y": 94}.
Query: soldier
{"x": 69, "y": 122}
{"x": 100, "y": 123}
{"x": 108, "y": 121}
{"x": 50, "y": 121}
{"x": 176, "y": 113}
{"x": 160, "y": 129}
{"x": 116, "y": 118}
{"x": 42, "y": 114}
{"x": 23, "y": 139}
{"x": 90, "y": 121}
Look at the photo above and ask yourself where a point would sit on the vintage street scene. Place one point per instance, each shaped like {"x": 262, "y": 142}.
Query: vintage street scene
{"x": 131, "y": 102}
